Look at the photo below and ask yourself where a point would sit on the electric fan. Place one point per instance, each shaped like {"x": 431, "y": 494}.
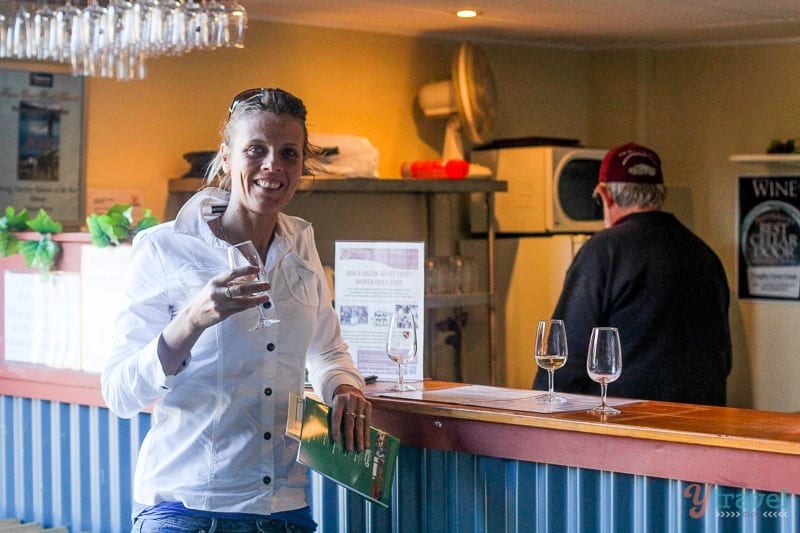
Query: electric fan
{"x": 467, "y": 101}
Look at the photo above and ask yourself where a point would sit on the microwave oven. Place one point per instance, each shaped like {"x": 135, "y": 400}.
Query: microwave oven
{"x": 549, "y": 188}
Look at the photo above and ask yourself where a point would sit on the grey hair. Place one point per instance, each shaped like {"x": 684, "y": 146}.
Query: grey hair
{"x": 650, "y": 195}
{"x": 271, "y": 100}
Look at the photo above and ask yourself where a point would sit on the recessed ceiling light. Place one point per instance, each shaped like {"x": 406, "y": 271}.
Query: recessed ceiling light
{"x": 466, "y": 13}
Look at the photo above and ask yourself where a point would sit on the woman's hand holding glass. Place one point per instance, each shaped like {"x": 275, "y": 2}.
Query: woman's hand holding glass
{"x": 251, "y": 285}
{"x": 550, "y": 352}
{"x": 604, "y": 364}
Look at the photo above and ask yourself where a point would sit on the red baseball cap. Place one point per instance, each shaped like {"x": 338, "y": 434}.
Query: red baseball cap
{"x": 631, "y": 163}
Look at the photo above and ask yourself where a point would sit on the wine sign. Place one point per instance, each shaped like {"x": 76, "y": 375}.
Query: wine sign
{"x": 769, "y": 237}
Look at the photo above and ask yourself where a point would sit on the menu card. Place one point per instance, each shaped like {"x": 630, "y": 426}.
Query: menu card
{"x": 368, "y": 473}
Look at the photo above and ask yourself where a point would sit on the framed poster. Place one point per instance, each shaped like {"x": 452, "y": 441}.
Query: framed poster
{"x": 374, "y": 280}
{"x": 41, "y": 143}
{"x": 769, "y": 237}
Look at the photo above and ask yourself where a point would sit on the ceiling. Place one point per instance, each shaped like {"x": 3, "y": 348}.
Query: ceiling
{"x": 568, "y": 23}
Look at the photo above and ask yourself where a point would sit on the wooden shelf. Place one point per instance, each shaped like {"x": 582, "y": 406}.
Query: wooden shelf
{"x": 377, "y": 185}
{"x": 792, "y": 160}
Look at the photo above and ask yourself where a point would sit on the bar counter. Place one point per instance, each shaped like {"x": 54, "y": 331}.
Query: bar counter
{"x": 655, "y": 467}
{"x": 716, "y": 445}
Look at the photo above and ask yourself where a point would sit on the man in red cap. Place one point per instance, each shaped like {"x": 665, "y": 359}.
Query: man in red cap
{"x": 658, "y": 283}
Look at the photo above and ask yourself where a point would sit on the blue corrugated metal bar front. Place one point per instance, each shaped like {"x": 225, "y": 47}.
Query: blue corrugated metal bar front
{"x": 70, "y": 465}
{"x": 455, "y": 492}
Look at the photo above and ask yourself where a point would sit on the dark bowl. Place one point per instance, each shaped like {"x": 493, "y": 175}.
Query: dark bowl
{"x": 198, "y": 161}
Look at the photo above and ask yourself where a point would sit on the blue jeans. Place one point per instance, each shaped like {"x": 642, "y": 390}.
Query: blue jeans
{"x": 188, "y": 524}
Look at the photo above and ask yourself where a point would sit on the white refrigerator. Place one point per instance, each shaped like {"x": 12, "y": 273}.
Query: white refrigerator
{"x": 529, "y": 275}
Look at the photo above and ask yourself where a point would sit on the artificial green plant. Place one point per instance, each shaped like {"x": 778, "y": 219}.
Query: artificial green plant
{"x": 117, "y": 225}
{"x": 41, "y": 253}
{"x": 106, "y": 230}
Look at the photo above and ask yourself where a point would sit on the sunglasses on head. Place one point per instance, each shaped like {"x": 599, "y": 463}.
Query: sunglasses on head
{"x": 242, "y": 97}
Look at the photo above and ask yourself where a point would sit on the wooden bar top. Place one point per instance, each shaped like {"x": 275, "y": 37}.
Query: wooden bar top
{"x": 726, "y": 427}
{"x": 372, "y": 185}
{"x": 719, "y": 445}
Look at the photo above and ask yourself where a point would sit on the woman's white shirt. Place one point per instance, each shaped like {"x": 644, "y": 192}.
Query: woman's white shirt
{"x": 217, "y": 438}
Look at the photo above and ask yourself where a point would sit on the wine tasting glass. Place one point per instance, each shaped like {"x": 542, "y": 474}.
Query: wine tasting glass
{"x": 604, "y": 364}
{"x": 401, "y": 345}
{"x": 44, "y": 35}
{"x": 197, "y": 29}
{"x": 21, "y": 27}
{"x": 244, "y": 254}
{"x": 95, "y": 38}
{"x": 66, "y": 16}
{"x": 237, "y": 23}
{"x": 550, "y": 352}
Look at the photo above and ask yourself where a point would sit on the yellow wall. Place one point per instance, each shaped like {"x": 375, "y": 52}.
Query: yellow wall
{"x": 356, "y": 83}
{"x": 695, "y": 106}
{"x": 352, "y": 82}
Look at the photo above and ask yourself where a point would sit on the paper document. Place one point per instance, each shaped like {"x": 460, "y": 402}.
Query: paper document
{"x": 502, "y": 398}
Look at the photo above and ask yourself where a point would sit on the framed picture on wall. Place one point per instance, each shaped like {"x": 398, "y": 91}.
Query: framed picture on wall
{"x": 769, "y": 237}
{"x": 41, "y": 141}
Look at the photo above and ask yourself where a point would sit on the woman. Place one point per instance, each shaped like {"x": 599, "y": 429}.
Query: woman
{"x": 216, "y": 456}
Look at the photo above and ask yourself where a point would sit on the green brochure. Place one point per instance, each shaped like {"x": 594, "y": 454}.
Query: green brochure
{"x": 369, "y": 473}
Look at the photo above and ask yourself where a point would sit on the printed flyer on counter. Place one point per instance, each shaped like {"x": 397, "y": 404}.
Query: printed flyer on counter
{"x": 374, "y": 280}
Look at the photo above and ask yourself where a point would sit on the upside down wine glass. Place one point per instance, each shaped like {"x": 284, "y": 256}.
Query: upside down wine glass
{"x": 401, "y": 345}
{"x": 550, "y": 352}
{"x": 604, "y": 364}
{"x": 244, "y": 254}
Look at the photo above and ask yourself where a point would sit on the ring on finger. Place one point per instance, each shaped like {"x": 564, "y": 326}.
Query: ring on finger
{"x": 362, "y": 416}
{"x": 228, "y": 294}
{"x": 351, "y": 413}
